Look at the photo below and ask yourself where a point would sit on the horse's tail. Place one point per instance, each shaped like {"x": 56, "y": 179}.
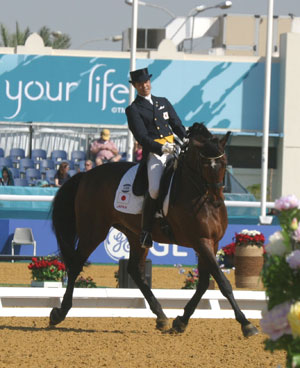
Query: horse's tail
{"x": 64, "y": 219}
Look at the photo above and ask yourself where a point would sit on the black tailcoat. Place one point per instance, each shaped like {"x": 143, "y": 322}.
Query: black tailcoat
{"x": 148, "y": 122}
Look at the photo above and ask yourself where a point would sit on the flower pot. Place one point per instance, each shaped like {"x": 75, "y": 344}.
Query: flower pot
{"x": 248, "y": 262}
{"x": 46, "y": 284}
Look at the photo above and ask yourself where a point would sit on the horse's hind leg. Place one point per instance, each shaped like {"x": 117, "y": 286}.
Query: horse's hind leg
{"x": 57, "y": 315}
{"x": 136, "y": 268}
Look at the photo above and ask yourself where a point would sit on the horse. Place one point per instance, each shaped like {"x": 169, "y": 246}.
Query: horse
{"x": 83, "y": 212}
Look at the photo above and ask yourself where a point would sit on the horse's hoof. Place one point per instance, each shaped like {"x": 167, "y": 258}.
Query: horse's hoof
{"x": 178, "y": 325}
{"x": 55, "y": 317}
{"x": 249, "y": 330}
{"x": 162, "y": 324}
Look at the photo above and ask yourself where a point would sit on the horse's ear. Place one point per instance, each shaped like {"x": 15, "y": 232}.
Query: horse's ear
{"x": 224, "y": 140}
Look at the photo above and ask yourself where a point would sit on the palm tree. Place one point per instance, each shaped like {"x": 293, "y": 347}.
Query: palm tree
{"x": 57, "y": 40}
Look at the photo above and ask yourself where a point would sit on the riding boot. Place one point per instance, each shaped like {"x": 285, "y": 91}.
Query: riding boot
{"x": 149, "y": 208}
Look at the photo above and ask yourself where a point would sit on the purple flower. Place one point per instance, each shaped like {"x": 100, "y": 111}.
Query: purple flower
{"x": 293, "y": 259}
{"x": 296, "y": 234}
{"x": 287, "y": 203}
{"x": 275, "y": 322}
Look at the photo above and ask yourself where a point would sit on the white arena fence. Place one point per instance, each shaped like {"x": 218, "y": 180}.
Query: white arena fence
{"x": 41, "y": 198}
{"x": 107, "y": 302}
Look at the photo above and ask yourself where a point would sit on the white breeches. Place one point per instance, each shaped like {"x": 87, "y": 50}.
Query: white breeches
{"x": 155, "y": 167}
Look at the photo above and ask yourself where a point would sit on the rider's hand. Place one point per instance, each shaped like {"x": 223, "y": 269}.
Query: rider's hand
{"x": 168, "y": 148}
{"x": 185, "y": 140}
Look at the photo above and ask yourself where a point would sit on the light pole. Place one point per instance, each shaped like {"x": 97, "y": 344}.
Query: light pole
{"x": 112, "y": 38}
{"x": 200, "y": 9}
{"x": 264, "y": 157}
{"x": 132, "y": 67}
{"x": 171, "y": 14}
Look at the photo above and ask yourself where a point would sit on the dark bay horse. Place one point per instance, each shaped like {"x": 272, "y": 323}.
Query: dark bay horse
{"x": 83, "y": 212}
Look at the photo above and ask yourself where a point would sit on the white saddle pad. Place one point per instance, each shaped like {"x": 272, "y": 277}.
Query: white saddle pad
{"x": 126, "y": 201}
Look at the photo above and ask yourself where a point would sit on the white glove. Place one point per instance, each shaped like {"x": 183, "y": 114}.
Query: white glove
{"x": 168, "y": 147}
{"x": 185, "y": 140}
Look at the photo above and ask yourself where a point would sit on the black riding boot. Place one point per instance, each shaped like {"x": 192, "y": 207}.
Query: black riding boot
{"x": 149, "y": 208}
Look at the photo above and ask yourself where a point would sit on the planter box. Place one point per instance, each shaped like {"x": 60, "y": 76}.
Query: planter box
{"x": 46, "y": 284}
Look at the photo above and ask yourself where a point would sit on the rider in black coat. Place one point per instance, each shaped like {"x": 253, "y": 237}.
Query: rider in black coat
{"x": 152, "y": 121}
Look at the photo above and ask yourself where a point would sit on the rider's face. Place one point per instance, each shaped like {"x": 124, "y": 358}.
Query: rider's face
{"x": 143, "y": 88}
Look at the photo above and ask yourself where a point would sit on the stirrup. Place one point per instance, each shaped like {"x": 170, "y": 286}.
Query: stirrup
{"x": 146, "y": 239}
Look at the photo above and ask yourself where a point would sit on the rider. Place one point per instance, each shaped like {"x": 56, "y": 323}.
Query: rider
{"x": 152, "y": 121}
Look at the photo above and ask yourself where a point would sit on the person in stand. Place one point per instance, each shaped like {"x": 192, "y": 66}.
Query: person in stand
{"x": 62, "y": 174}
{"x": 152, "y": 121}
{"x": 105, "y": 149}
{"x": 7, "y": 177}
{"x": 88, "y": 165}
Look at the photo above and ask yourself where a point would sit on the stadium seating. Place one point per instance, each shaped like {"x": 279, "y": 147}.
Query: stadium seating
{"x": 21, "y": 182}
{"x": 16, "y": 154}
{"x": 37, "y": 156}
{"x": 6, "y": 161}
{"x": 72, "y": 172}
{"x": 15, "y": 172}
{"x": 50, "y": 176}
{"x": 25, "y": 163}
{"x": 46, "y": 164}
{"x": 32, "y": 175}
{"x": 78, "y": 156}
{"x": 59, "y": 155}
{"x": 1, "y": 152}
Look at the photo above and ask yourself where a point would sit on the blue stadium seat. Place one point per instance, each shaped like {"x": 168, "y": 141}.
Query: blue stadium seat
{"x": 32, "y": 175}
{"x": 25, "y": 163}
{"x": 38, "y": 154}
{"x": 123, "y": 156}
{"x": 5, "y": 161}
{"x": 21, "y": 182}
{"x": 16, "y": 154}
{"x": 1, "y": 152}
{"x": 50, "y": 176}
{"x": 46, "y": 164}
{"x": 77, "y": 156}
{"x": 81, "y": 165}
{"x": 15, "y": 172}
{"x": 59, "y": 155}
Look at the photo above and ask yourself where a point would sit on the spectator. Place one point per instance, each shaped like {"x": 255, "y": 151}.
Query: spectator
{"x": 105, "y": 149}
{"x": 62, "y": 174}
{"x": 7, "y": 177}
{"x": 88, "y": 165}
{"x": 138, "y": 152}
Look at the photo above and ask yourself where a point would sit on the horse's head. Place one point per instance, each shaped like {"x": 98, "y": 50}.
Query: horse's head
{"x": 206, "y": 155}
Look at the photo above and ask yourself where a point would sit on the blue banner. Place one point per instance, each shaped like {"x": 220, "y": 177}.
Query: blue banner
{"x": 226, "y": 95}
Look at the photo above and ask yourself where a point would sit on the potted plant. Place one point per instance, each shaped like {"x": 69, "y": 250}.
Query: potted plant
{"x": 47, "y": 271}
{"x": 281, "y": 278}
{"x": 248, "y": 258}
{"x": 192, "y": 278}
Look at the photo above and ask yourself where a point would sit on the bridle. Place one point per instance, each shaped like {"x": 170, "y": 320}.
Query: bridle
{"x": 212, "y": 160}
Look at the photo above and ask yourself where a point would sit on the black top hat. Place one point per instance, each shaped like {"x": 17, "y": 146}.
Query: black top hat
{"x": 140, "y": 75}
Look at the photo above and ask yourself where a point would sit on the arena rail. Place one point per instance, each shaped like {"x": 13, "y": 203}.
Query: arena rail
{"x": 109, "y": 302}
{"x": 41, "y": 198}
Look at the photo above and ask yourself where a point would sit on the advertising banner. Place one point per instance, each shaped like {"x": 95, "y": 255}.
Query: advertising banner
{"x": 225, "y": 95}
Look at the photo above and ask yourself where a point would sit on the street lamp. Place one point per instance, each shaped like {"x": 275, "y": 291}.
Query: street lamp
{"x": 171, "y": 14}
{"x": 112, "y": 38}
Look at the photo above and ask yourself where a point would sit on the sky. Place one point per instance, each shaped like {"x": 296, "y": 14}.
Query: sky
{"x": 87, "y": 20}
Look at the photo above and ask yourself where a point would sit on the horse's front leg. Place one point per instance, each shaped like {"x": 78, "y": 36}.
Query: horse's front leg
{"x": 136, "y": 269}
{"x": 180, "y": 323}
{"x": 205, "y": 251}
